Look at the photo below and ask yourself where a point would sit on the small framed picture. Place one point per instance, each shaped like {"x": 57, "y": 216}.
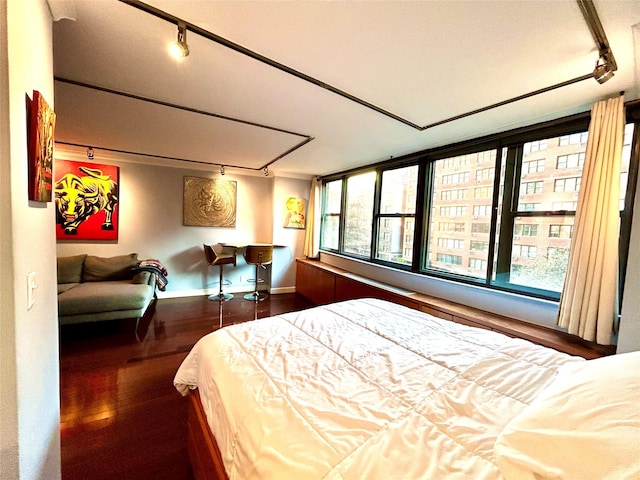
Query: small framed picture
{"x": 294, "y": 212}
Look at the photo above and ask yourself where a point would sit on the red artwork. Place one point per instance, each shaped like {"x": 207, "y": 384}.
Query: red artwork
{"x": 86, "y": 196}
{"x": 41, "y": 127}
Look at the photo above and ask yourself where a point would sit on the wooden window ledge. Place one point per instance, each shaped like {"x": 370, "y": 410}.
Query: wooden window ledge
{"x": 322, "y": 283}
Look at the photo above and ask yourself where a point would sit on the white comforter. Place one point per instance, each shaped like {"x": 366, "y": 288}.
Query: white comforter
{"x": 363, "y": 389}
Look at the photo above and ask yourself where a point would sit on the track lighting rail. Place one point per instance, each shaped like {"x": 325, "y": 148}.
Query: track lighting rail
{"x": 586, "y": 6}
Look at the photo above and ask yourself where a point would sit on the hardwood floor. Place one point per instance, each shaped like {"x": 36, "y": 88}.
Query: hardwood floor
{"x": 121, "y": 417}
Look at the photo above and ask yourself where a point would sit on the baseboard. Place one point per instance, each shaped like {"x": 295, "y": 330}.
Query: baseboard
{"x": 278, "y": 290}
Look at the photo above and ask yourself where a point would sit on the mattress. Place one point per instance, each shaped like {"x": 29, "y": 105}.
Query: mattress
{"x": 363, "y": 389}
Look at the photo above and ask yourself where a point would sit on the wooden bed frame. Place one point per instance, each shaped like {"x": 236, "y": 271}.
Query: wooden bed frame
{"x": 204, "y": 454}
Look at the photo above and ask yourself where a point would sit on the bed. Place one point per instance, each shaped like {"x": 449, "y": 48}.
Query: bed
{"x": 366, "y": 389}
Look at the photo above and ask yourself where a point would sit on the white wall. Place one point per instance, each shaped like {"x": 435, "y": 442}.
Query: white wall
{"x": 284, "y": 265}
{"x": 151, "y": 225}
{"x": 30, "y": 418}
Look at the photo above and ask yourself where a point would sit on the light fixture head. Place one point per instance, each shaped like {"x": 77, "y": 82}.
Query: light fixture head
{"x": 221, "y": 169}
{"x": 266, "y": 171}
{"x": 603, "y": 70}
{"x": 180, "y": 49}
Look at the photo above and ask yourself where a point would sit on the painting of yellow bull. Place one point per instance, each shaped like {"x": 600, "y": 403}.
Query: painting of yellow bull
{"x": 87, "y": 199}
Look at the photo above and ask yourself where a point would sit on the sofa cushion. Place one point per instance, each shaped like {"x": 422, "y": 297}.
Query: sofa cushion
{"x": 70, "y": 268}
{"x": 63, "y": 287}
{"x": 92, "y": 297}
{"x": 142, "y": 277}
{"x": 99, "y": 269}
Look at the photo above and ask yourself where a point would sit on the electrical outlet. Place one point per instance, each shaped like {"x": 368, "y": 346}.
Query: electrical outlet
{"x": 31, "y": 290}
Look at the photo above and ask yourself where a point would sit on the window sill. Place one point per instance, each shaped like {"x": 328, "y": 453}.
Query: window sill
{"x": 324, "y": 283}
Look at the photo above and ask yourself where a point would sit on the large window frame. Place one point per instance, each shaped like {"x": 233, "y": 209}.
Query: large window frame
{"x": 510, "y": 147}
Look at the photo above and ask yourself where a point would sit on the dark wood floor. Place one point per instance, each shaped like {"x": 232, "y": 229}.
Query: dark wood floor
{"x": 121, "y": 417}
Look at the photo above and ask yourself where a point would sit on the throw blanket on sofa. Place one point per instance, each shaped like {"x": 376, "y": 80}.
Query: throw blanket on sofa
{"x": 155, "y": 267}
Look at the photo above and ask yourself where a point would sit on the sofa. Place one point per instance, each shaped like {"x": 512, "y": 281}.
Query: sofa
{"x": 92, "y": 289}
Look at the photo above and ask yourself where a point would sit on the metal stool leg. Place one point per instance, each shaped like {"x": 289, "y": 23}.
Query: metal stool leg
{"x": 257, "y": 296}
{"x": 221, "y": 296}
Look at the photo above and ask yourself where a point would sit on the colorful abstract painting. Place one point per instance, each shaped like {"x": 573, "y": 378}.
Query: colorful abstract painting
{"x": 209, "y": 202}
{"x": 87, "y": 200}
{"x": 41, "y": 128}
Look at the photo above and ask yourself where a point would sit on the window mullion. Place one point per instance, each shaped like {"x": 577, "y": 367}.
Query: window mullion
{"x": 376, "y": 216}
{"x": 509, "y": 196}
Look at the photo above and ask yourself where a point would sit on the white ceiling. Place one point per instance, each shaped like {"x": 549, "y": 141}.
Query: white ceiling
{"x": 424, "y": 61}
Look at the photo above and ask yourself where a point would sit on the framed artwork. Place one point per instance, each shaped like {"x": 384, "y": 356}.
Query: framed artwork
{"x": 87, "y": 200}
{"x": 209, "y": 202}
{"x": 41, "y": 128}
{"x": 294, "y": 212}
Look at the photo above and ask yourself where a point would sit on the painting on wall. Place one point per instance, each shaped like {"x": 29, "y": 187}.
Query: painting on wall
{"x": 87, "y": 200}
{"x": 294, "y": 212}
{"x": 209, "y": 202}
{"x": 41, "y": 124}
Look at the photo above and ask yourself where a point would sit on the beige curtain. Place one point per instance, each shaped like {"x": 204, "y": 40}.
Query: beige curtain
{"x": 589, "y": 301}
{"x": 312, "y": 238}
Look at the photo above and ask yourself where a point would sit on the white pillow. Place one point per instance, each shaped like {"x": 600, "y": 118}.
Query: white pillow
{"x": 583, "y": 425}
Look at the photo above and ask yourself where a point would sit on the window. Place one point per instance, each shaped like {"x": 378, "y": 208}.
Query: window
{"x": 526, "y": 230}
{"x": 535, "y": 146}
{"x": 397, "y": 218}
{"x": 533, "y": 166}
{"x": 451, "y": 243}
{"x": 531, "y": 188}
{"x": 477, "y": 264}
{"x": 477, "y": 246}
{"x": 515, "y": 239}
{"x": 331, "y": 215}
{"x": 567, "y": 184}
{"x": 451, "y": 227}
{"x": 560, "y": 231}
{"x": 488, "y": 156}
{"x": 449, "y": 259}
{"x": 464, "y": 214}
{"x": 524, "y": 251}
{"x": 575, "y": 160}
{"x": 530, "y": 266}
{"x": 484, "y": 174}
{"x": 457, "y": 194}
{"x": 453, "y": 211}
{"x": 573, "y": 139}
{"x": 358, "y": 214}
{"x": 481, "y": 210}
{"x": 455, "y": 178}
{"x": 479, "y": 228}
{"x": 529, "y": 206}
{"x": 482, "y": 192}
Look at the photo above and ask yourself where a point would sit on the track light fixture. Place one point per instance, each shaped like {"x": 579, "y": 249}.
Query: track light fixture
{"x": 180, "y": 49}
{"x": 604, "y": 68}
{"x": 221, "y": 169}
{"x": 266, "y": 171}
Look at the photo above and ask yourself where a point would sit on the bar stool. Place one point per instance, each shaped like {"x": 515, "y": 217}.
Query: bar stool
{"x": 258, "y": 255}
{"x": 216, "y": 255}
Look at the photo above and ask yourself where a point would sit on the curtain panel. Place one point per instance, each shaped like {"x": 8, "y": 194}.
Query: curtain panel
{"x": 312, "y": 237}
{"x": 589, "y": 300}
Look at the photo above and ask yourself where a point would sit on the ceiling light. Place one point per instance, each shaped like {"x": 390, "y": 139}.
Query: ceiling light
{"x": 266, "y": 171}
{"x": 603, "y": 70}
{"x": 180, "y": 49}
{"x": 221, "y": 169}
